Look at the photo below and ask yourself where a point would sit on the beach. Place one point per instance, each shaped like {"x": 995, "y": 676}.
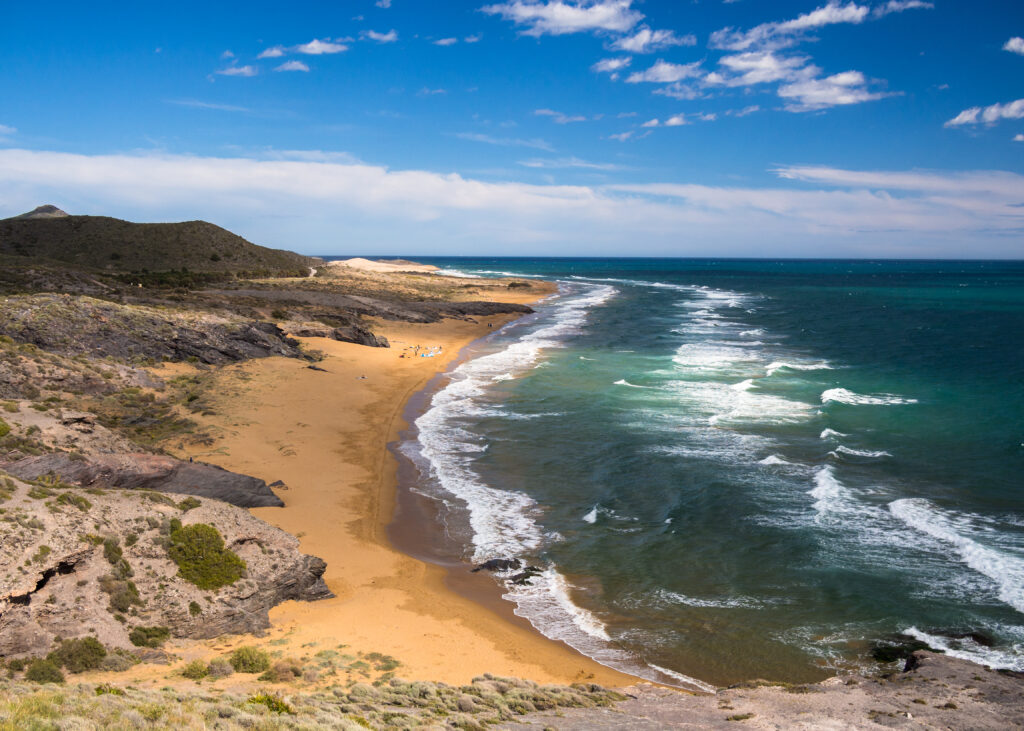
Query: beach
{"x": 325, "y": 434}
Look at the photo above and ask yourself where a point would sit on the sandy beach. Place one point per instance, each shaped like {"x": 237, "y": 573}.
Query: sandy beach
{"x": 325, "y": 435}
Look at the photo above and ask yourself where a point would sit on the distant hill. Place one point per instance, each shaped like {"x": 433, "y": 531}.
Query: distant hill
{"x": 99, "y": 242}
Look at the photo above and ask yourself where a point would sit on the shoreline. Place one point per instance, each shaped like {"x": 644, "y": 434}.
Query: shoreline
{"x": 278, "y": 420}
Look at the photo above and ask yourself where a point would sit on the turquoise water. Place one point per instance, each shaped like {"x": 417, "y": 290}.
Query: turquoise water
{"x": 736, "y": 469}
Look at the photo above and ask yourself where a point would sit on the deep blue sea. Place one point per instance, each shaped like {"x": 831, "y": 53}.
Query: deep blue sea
{"x": 731, "y": 469}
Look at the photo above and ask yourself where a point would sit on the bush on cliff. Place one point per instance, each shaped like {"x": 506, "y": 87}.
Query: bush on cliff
{"x": 250, "y": 660}
{"x": 43, "y": 671}
{"x": 149, "y": 636}
{"x": 85, "y": 653}
{"x": 202, "y": 559}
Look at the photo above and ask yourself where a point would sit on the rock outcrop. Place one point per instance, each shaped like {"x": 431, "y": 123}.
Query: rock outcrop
{"x": 347, "y": 334}
{"x": 93, "y": 562}
{"x": 149, "y": 472}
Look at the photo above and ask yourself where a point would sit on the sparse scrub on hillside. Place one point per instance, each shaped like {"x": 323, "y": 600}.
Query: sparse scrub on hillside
{"x": 202, "y": 559}
{"x": 249, "y": 660}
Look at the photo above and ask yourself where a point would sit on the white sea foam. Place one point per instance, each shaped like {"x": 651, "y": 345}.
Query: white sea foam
{"x": 779, "y": 365}
{"x": 1003, "y": 566}
{"x": 830, "y": 495}
{"x": 585, "y": 358}
{"x": 756, "y": 333}
{"x": 733, "y": 602}
{"x": 773, "y": 459}
{"x": 968, "y": 649}
{"x": 546, "y": 602}
{"x": 831, "y": 434}
{"x": 591, "y": 517}
{"x": 458, "y": 273}
{"x": 685, "y": 679}
{"x": 624, "y": 382}
{"x": 844, "y": 396}
{"x": 503, "y": 377}
{"x": 860, "y": 452}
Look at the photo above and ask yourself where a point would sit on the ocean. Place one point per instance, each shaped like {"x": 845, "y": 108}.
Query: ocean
{"x": 736, "y": 469}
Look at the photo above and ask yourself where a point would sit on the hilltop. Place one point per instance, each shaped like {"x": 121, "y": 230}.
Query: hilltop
{"x": 113, "y": 245}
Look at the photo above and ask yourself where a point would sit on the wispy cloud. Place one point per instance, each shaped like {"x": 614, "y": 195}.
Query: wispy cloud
{"x": 898, "y": 6}
{"x": 611, "y": 65}
{"x": 1015, "y": 45}
{"x": 754, "y": 67}
{"x": 664, "y": 72}
{"x": 446, "y": 41}
{"x": 567, "y": 162}
{"x": 1018, "y": 138}
{"x": 559, "y": 117}
{"x": 390, "y": 37}
{"x": 848, "y": 87}
{"x": 6, "y": 131}
{"x": 988, "y": 115}
{"x": 536, "y": 144}
{"x": 558, "y": 17}
{"x": 473, "y": 39}
{"x": 427, "y": 91}
{"x": 383, "y": 3}
{"x": 317, "y": 47}
{"x": 272, "y": 52}
{"x": 292, "y": 66}
{"x": 645, "y": 40}
{"x": 197, "y": 104}
{"x": 227, "y": 55}
{"x": 238, "y": 71}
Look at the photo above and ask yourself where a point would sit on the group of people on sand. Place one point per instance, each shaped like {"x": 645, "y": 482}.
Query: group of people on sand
{"x": 421, "y": 351}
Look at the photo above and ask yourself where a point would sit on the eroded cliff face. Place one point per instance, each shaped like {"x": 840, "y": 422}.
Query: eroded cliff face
{"x": 78, "y": 562}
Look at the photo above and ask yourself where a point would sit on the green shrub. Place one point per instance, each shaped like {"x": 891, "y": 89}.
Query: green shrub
{"x": 5, "y": 428}
{"x": 11, "y": 407}
{"x": 17, "y": 664}
{"x": 149, "y": 636}
{"x": 275, "y": 704}
{"x": 196, "y": 670}
{"x": 123, "y": 594}
{"x": 194, "y": 609}
{"x": 202, "y": 559}
{"x": 249, "y": 660}
{"x": 79, "y": 655}
{"x": 70, "y": 498}
{"x": 108, "y": 689}
{"x": 220, "y": 668}
{"x": 188, "y": 504}
{"x": 43, "y": 671}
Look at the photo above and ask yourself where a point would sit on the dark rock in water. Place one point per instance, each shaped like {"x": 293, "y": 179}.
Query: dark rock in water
{"x": 901, "y": 647}
{"x": 523, "y": 578}
{"x": 499, "y": 564}
{"x": 150, "y": 472}
{"x": 982, "y": 638}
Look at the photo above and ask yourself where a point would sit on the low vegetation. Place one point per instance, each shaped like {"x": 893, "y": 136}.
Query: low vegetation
{"x": 202, "y": 559}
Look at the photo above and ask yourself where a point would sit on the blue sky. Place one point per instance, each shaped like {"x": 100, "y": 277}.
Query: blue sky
{"x": 530, "y": 127}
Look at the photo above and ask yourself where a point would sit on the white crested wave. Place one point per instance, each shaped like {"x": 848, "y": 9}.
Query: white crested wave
{"x": 591, "y": 517}
{"x": 755, "y": 333}
{"x": 968, "y": 649}
{"x": 503, "y": 377}
{"x": 779, "y": 365}
{"x": 1002, "y": 566}
{"x": 736, "y": 602}
{"x": 831, "y": 434}
{"x": 860, "y": 452}
{"x": 844, "y": 396}
{"x": 624, "y": 382}
{"x": 458, "y": 273}
{"x": 773, "y": 459}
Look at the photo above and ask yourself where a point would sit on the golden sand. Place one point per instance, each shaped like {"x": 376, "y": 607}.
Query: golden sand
{"x": 325, "y": 434}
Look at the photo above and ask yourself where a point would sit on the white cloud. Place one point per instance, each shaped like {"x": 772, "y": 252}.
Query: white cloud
{"x": 390, "y": 37}
{"x": 559, "y": 117}
{"x": 473, "y": 39}
{"x": 446, "y": 41}
{"x": 536, "y": 144}
{"x": 1018, "y": 138}
{"x": 676, "y": 121}
{"x": 755, "y": 67}
{"x": 273, "y": 52}
{"x": 6, "y": 131}
{"x": 227, "y": 54}
{"x": 238, "y": 71}
{"x": 848, "y": 87}
{"x": 558, "y": 17}
{"x": 679, "y": 90}
{"x": 1015, "y": 45}
{"x": 567, "y": 162}
{"x": 317, "y": 47}
{"x": 898, "y": 6}
{"x": 609, "y": 65}
{"x": 383, "y": 3}
{"x": 427, "y": 91}
{"x": 745, "y": 111}
{"x": 651, "y": 123}
{"x": 622, "y": 136}
{"x": 988, "y": 115}
{"x": 646, "y": 40}
{"x": 292, "y": 66}
{"x": 663, "y": 72}
{"x": 781, "y": 34}
{"x": 318, "y": 199}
